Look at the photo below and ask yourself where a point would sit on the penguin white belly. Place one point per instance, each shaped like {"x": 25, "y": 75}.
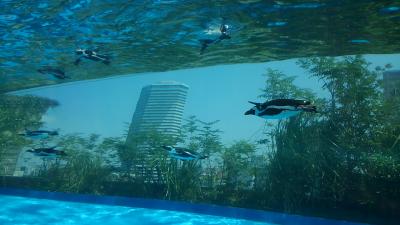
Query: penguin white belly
{"x": 282, "y": 115}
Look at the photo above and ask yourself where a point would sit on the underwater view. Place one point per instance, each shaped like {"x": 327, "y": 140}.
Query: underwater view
{"x": 289, "y": 107}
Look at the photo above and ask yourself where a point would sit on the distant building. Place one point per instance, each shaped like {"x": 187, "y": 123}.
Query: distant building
{"x": 391, "y": 83}
{"x": 8, "y": 159}
{"x": 160, "y": 107}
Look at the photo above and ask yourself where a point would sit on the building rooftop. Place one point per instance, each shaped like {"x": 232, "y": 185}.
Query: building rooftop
{"x": 169, "y": 82}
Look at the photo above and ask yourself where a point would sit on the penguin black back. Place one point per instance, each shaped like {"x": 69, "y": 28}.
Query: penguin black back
{"x": 286, "y": 102}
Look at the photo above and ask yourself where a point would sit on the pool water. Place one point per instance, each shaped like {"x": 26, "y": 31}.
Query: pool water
{"x": 21, "y": 210}
{"x": 20, "y": 206}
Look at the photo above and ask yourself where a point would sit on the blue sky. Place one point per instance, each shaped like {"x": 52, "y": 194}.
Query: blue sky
{"x": 216, "y": 93}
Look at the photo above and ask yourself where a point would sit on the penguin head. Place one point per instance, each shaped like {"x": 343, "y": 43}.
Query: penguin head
{"x": 251, "y": 111}
{"x": 30, "y": 150}
{"x": 203, "y": 157}
{"x": 224, "y": 28}
{"x": 255, "y": 109}
{"x": 304, "y": 102}
{"x": 53, "y": 133}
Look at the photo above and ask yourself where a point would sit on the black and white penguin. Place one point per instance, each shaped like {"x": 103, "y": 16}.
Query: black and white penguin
{"x": 43, "y": 152}
{"x": 38, "y": 134}
{"x": 224, "y": 28}
{"x": 280, "y": 108}
{"x": 183, "y": 153}
{"x": 57, "y": 73}
{"x": 92, "y": 55}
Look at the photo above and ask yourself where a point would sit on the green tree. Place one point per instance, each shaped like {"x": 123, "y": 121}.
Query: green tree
{"x": 18, "y": 113}
{"x": 279, "y": 85}
{"x": 345, "y": 154}
{"x": 236, "y": 165}
{"x": 82, "y": 170}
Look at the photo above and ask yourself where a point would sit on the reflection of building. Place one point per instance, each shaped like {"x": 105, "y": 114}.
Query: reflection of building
{"x": 391, "y": 83}
{"x": 8, "y": 159}
{"x": 29, "y": 164}
{"x": 160, "y": 107}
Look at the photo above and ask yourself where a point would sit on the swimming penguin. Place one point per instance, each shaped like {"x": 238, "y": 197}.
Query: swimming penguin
{"x": 38, "y": 133}
{"x": 280, "y": 108}
{"x": 57, "y": 73}
{"x": 51, "y": 151}
{"x": 224, "y": 35}
{"x": 183, "y": 153}
{"x": 92, "y": 55}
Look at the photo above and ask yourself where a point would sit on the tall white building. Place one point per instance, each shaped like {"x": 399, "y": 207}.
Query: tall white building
{"x": 160, "y": 107}
{"x": 391, "y": 83}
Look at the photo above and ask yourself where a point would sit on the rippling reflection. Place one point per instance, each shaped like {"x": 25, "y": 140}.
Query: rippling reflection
{"x": 159, "y": 35}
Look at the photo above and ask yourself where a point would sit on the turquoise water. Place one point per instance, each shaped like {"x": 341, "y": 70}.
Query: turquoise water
{"x": 21, "y": 210}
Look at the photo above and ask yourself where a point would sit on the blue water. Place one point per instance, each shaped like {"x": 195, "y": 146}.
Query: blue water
{"x": 21, "y": 206}
{"x": 21, "y": 210}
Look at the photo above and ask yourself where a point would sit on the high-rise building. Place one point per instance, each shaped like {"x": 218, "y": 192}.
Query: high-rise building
{"x": 160, "y": 107}
{"x": 391, "y": 83}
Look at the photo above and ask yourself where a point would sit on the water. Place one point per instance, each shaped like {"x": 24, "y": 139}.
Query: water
{"x": 19, "y": 210}
{"x": 142, "y": 36}
{"x": 284, "y": 106}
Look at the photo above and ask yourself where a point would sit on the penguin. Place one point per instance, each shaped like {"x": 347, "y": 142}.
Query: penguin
{"x": 43, "y": 152}
{"x": 280, "y": 108}
{"x": 92, "y": 55}
{"x": 57, "y": 73}
{"x": 38, "y": 133}
{"x": 183, "y": 153}
{"x": 224, "y": 35}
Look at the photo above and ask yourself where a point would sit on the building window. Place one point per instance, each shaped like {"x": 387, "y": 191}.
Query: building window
{"x": 395, "y": 92}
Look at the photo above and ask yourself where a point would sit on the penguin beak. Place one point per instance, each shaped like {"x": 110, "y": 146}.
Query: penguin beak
{"x": 250, "y": 112}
